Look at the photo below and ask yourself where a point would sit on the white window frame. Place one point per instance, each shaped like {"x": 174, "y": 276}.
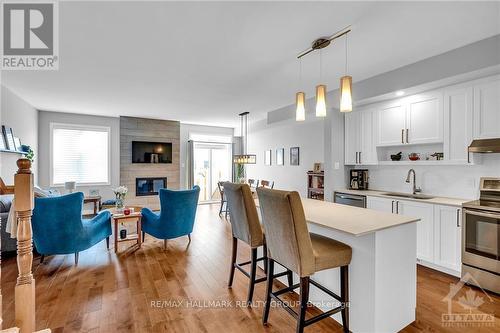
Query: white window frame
{"x": 54, "y": 125}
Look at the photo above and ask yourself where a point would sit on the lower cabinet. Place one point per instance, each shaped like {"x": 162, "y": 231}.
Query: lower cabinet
{"x": 438, "y": 231}
{"x": 448, "y": 237}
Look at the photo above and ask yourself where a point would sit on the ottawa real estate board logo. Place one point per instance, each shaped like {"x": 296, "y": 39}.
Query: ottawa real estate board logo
{"x": 30, "y": 35}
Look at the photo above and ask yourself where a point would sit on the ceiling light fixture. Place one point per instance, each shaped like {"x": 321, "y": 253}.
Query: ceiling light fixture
{"x": 345, "y": 81}
{"x": 346, "y": 87}
{"x": 300, "y": 99}
{"x": 400, "y": 93}
{"x": 244, "y": 157}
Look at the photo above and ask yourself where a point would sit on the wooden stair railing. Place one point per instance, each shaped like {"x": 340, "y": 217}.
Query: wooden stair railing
{"x": 24, "y": 296}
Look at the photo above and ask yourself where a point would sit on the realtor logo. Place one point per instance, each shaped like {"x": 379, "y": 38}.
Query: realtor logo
{"x": 29, "y": 35}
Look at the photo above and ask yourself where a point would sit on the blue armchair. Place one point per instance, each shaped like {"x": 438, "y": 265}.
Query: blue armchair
{"x": 58, "y": 227}
{"x": 176, "y": 218}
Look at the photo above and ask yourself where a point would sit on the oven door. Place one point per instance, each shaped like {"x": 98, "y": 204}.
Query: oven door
{"x": 480, "y": 240}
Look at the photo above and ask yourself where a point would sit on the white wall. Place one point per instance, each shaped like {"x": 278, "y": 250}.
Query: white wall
{"x": 308, "y": 135}
{"x": 186, "y": 131}
{"x": 46, "y": 117}
{"x": 23, "y": 119}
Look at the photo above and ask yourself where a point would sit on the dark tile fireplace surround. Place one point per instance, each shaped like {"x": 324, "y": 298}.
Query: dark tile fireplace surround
{"x": 149, "y": 185}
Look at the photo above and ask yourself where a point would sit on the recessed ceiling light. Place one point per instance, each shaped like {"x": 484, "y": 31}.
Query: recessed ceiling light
{"x": 400, "y": 93}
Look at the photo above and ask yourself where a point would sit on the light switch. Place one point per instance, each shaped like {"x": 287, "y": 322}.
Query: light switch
{"x": 337, "y": 165}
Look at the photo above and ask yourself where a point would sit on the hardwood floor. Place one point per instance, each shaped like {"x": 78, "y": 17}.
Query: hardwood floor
{"x": 131, "y": 291}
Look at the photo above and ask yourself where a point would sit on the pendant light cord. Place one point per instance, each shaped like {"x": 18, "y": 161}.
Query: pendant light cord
{"x": 320, "y": 66}
{"x": 346, "y": 54}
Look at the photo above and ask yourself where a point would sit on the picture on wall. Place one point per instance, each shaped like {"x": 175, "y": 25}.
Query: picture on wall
{"x": 294, "y": 156}
{"x": 17, "y": 143}
{"x": 280, "y": 156}
{"x": 267, "y": 157}
{"x": 9, "y": 137}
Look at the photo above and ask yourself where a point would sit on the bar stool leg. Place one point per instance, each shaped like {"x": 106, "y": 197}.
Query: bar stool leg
{"x": 253, "y": 273}
{"x": 290, "y": 279}
{"x": 269, "y": 290}
{"x": 233, "y": 262}
{"x": 344, "y": 294}
{"x": 265, "y": 257}
{"x": 304, "y": 298}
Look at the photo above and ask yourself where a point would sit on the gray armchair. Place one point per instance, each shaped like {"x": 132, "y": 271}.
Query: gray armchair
{"x": 8, "y": 244}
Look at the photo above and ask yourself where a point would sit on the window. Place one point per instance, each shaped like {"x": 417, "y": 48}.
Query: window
{"x": 79, "y": 153}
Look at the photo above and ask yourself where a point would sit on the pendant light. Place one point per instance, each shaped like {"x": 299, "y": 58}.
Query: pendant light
{"x": 346, "y": 87}
{"x": 320, "y": 94}
{"x": 244, "y": 157}
{"x": 300, "y": 99}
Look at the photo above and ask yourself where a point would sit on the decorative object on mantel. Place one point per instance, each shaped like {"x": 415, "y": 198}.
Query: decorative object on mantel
{"x": 9, "y": 138}
{"x": 318, "y": 167}
{"x": 396, "y": 157}
{"x": 267, "y": 157}
{"x": 345, "y": 81}
{"x": 280, "y": 156}
{"x": 294, "y": 156}
{"x": 30, "y": 154}
{"x": 414, "y": 156}
{"x": 120, "y": 193}
{"x": 244, "y": 158}
{"x": 70, "y": 186}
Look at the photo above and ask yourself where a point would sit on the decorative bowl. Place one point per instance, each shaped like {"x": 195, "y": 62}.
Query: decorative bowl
{"x": 414, "y": 156}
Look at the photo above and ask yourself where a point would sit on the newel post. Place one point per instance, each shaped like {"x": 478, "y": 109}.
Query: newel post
{"x": 25, "y": 287}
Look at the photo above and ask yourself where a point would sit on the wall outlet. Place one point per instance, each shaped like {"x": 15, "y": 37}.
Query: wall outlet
{"x": 336, "y": 165}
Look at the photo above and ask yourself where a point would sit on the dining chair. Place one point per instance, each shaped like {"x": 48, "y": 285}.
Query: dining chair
{"x": 223, "y": 201}
{"x": 290, "y": 244}
{"x": 267, "y": 184}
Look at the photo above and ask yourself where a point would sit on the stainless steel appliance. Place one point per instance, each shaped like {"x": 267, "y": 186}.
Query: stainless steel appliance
{"x": 481, "y": 237}
{"x": 358, "y": 179}
{"x": 350, "y": 199}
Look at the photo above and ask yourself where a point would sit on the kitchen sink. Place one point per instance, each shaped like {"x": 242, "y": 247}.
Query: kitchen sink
{"x": 409, "y": 195}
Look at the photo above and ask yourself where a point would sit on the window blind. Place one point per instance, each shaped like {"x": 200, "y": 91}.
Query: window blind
{"x": 80, "y": 154}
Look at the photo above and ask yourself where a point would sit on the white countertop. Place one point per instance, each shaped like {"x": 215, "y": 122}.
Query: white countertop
{"x": 352, "y": 220}
{"x": 456, "y": 202}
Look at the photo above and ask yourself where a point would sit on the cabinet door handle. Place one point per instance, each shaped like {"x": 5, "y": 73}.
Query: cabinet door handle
{"x": 458, "y": 218}
{"x": 392, "y": 206}
{"x": 402, "y": 135}
{"x": 356, "y": 157}
{"x": 397, "y": 207}
{"x": 359, "y": 157}
{"x": 407, "y": 136}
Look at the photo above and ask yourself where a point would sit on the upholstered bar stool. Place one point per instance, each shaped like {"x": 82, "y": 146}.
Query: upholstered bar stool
{"x": 246, "y": 227}
{"x": 290, "y": 244}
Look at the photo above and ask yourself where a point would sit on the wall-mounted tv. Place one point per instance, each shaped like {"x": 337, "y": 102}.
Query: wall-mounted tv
{"x": 151, "y": 152}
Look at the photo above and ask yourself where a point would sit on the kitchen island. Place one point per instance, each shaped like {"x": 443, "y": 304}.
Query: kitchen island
{"x": 382, "y": 273}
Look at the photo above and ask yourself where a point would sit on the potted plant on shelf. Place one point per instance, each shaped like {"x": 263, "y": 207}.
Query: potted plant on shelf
{"x": 120, "y": 193}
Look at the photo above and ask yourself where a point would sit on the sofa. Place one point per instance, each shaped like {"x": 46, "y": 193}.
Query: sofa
{"x": 9, "y": 245}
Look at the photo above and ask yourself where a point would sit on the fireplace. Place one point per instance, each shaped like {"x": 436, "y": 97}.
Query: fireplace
{"x": 149, "y": 185}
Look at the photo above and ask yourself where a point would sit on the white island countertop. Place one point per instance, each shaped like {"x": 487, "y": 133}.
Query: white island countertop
{"x": 351, "y": 220}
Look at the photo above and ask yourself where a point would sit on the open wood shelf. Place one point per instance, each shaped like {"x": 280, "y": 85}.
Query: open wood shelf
{"x": 13, "y": 151}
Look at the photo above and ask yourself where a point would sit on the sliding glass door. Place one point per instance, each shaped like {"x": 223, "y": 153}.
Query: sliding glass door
{"x": 211, "y": 164}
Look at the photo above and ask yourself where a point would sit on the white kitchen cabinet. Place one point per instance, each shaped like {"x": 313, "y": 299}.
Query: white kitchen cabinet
{"x": 417, "y": 119}
{"x": 458, "y": 119}
{"x": 380, "y": 204}
{"x": 447, "y": 233}
{"x": 359, "y": 145}
{"x": 352, "y": 137}
{"x": 486, "y": 109}
{"x": 424, "y": 120}
{"x": 425, "y": 227}
{"x": 391, "y": 122}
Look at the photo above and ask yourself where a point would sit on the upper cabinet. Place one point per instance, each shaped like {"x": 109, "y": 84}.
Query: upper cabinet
{"x": 458, "y": 115}
{"x": 359, "y": 144}
{"x": 487, "y": 109}
{"x": 413, "y": 120}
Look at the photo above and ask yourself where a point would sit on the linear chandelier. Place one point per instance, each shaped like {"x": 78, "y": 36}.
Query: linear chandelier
{"x": 345, "y": 81}
{"x": 244, "y": 157}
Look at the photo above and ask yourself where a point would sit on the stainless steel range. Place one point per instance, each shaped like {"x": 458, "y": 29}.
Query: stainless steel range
{"x": 481, "y": 236}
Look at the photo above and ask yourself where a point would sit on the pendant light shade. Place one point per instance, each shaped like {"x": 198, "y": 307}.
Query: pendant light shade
{"x": 346, "y": 94}
{"x": 321, "y": 100}
{"x": 300, "y": 112}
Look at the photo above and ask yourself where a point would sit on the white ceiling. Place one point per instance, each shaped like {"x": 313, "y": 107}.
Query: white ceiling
{"x": 205, "y": 62}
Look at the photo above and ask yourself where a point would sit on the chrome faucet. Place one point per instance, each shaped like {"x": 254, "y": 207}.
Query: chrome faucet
{"x": 415, "y": 188}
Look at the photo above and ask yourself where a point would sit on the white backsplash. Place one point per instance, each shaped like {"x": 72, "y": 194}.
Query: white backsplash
{"x": 450, "y": 181}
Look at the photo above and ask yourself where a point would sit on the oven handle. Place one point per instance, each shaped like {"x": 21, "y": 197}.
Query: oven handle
{"x": 475, "y": 212}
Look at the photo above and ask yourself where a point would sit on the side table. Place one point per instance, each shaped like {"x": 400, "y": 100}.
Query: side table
{"x": 119, "y": 217}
